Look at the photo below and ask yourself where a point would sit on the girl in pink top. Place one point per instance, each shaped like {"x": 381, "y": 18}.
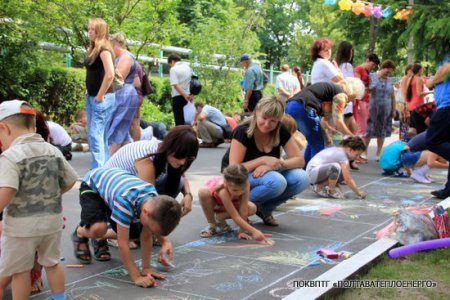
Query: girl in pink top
{"x": 227, "y": 197}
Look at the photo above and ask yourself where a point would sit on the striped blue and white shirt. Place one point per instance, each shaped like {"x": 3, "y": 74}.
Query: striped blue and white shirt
{"x": 125, "y": 157}
{"x": 122, "y": 192}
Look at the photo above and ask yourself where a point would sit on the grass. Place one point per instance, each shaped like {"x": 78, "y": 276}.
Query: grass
{"x": 432, "y": 265}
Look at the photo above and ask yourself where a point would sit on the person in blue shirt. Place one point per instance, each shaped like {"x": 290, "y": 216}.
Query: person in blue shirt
{"x": 253, "y": 82}
{"x": 438, "y": 133}
{"x": 134, "y": 210}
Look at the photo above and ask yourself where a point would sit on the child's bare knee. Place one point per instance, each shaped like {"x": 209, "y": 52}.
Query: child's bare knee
{"x": 251, "y": 208}
{"x": 98, "y": 230}
{"x": 204, "y": 194}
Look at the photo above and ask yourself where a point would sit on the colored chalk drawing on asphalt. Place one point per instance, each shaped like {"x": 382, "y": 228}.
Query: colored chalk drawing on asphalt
{"x": 297, "y": 258}
{"x": 89, "y": 292}
{"x": 238, "y": 284}
{"x": 250, "y": 271}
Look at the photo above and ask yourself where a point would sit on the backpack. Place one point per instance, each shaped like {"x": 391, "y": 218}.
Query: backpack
{"x": 195, "y": 85}
{"x": 146, "y": 86}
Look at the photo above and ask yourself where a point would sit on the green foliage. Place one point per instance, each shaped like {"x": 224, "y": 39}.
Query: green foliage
{"x": 152, "y": 112}
{"x": 162, "y": 96}
{"x": 18, "y": 58}
{"x": 228, "y": 33}
{"x": 57, "y": 92}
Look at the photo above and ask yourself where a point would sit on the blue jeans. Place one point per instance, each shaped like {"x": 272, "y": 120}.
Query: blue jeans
{"x": 99, "y": 117}
{"x": 274, "y": 188}
{"x": 308, "y": 123}
{"x": 438, "y": 137}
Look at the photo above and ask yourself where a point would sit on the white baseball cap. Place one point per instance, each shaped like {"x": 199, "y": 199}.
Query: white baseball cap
{"x": 14, "y": 107}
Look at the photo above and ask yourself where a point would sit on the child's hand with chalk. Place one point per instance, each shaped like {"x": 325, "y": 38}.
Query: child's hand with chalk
{"x": 149, "y": 272}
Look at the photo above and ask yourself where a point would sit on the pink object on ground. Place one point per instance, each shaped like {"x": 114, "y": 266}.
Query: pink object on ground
{"x": 329, "y": 211}
{"x": 328, "y": 253}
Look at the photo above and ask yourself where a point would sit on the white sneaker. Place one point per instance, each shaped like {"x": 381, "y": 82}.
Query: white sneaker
{"x": 322, "y": 193}
{"x": 336, "y": 195}
{"x": 419, "y": 178}
{"x": 427, "y": 176}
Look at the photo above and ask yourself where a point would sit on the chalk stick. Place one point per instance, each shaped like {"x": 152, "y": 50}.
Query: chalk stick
{"x": 74, "y": 266}
{"x": 267, "y": 234}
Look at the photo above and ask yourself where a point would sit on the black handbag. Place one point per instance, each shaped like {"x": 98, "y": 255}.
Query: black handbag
{"x": 146, "y": 86}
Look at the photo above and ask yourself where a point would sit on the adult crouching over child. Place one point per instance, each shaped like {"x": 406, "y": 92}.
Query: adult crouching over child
{"x": 256, "y": 144}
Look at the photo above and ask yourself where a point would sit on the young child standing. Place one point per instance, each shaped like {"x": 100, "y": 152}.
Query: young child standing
{"x": 134, "y": 211}
{"x": 33, "y": 176}
{"x": 227, "y": 197}
{"x": 328, "y": 168}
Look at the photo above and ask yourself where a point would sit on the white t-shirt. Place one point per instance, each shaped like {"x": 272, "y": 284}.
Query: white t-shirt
{"x": 326, "y": 156}
{"x": 323, "y": 71}
{"x": 125, "y": 157}
{"x": 288, "y": 82}
{"x": 58, "y": 134}
{"x": 347, "y": 70}
{"x": 180, "y": 74}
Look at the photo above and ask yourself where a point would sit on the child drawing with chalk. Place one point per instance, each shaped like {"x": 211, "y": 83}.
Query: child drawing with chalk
{"x": 331, "y": 166}
{"x": 228, "y": 197}
{"x": 134, "y": 211}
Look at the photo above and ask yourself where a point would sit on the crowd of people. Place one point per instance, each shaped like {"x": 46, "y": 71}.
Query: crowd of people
{"x": 307, "y": 136}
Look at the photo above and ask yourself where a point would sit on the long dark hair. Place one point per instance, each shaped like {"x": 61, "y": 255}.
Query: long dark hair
{"x": 344, "y": 53}
{"x": 181, "y": 142}
{"x": 415, "y": 69}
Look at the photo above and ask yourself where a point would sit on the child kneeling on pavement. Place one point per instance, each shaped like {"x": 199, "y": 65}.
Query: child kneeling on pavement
{"x": 134, "y": 211}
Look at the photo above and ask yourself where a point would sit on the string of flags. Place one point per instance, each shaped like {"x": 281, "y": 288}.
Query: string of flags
{"x": 369, "y": 9}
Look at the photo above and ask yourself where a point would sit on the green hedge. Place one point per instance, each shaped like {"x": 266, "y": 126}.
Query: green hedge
{"x": 57, "y": 92}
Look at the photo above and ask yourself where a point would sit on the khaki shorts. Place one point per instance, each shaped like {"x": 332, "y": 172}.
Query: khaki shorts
{"x": 18, "y": 252}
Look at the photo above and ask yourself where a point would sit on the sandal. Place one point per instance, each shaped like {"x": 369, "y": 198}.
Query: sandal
{"x": 224, "y": 227}
{"x": 81, "y": 254}
{"x": 267, "y": 220}
{"x": 209, "y": 231}
{"x": 270, "y": 221}
{"x": 101, "y": 250}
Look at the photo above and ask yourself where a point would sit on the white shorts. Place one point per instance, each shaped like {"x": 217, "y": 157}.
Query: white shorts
{"x": 18, "y": 252}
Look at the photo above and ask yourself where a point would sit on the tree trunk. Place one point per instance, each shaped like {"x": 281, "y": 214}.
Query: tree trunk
{"x": 374, "y": 25}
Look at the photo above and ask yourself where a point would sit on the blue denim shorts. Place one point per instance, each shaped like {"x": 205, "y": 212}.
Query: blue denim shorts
{"x": 409, "y": 159}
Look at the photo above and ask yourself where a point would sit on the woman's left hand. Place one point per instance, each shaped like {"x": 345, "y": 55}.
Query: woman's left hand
{"x": 261, "y": 170}
{"x": 186, "y": 205}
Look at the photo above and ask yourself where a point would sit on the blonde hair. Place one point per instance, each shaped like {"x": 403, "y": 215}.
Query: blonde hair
{"x": 101, "y": 40}
{"x": 272, "y": 107}
{"x": 118, "y": 38}
{"x": 285, "y": 67}
{"x": 353, "y": 87}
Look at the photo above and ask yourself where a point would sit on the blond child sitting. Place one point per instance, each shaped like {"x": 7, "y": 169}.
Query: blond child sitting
{"x": 228, "y": 197}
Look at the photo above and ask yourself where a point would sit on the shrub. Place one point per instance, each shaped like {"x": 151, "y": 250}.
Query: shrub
{"x": 58, "y": 92}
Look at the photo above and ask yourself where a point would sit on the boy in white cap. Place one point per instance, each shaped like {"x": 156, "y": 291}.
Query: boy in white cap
{"x": 33, "y": 176}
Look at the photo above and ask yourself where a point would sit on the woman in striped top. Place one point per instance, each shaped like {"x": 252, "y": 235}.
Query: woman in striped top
{"x": 162, "y": 163}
